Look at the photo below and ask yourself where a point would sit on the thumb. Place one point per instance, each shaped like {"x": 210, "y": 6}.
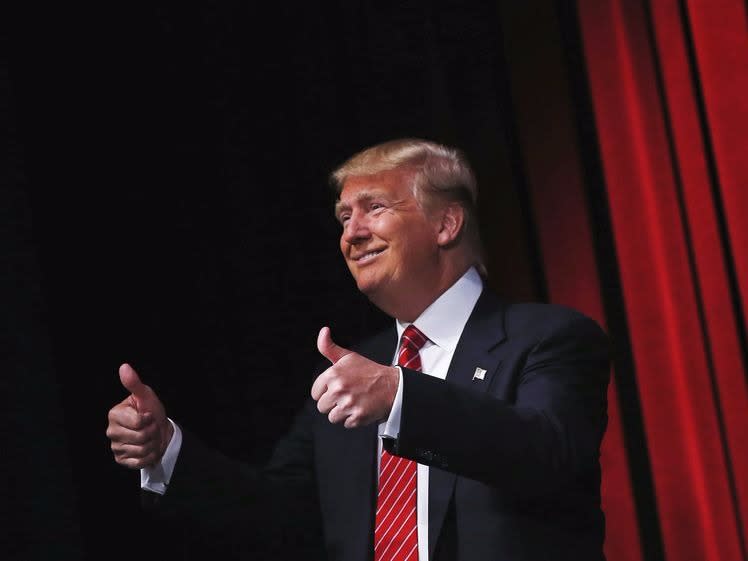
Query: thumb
{"x": 328, "y": 348}
{"x": 131, "y": 381}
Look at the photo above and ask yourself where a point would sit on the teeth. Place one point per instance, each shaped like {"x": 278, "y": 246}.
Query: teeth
{"x": 369, "y": 255}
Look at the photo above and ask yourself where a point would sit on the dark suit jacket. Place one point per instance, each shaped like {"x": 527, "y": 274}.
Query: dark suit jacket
{"x": 515, "y": 456}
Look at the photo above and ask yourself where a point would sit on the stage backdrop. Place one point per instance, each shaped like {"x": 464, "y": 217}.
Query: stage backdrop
{"x": 165, "y": 203}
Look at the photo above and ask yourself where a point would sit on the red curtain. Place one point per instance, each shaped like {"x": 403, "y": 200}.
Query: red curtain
{"x": 555, "y": 177}
{"x": 669, "y": 93}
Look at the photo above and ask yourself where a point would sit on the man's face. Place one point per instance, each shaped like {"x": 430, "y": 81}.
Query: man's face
{"x": 389, "y": 242}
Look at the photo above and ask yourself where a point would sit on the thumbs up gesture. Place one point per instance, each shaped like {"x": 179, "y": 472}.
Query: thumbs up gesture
{"x": 138, "y": 427}
{"x": 354, "y": 391}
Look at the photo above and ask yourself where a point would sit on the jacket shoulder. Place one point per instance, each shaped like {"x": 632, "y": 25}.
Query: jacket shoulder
{"x": 544, "y": 320}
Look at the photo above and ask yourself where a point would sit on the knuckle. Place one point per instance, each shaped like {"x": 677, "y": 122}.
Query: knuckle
{"x": 115, "y": 414}
{"x": 355, "y": 417}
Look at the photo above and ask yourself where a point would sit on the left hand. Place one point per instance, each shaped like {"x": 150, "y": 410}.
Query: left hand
{"x": 354, "y": 391}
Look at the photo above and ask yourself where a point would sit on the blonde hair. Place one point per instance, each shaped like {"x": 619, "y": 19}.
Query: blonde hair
{"x": 441, "y": 173}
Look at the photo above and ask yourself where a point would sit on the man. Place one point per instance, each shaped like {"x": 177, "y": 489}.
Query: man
{"x": 502, "y": 406}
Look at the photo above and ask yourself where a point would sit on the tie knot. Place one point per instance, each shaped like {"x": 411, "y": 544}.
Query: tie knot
{"x": 411, "y": 342}
{"x": 413, "y": 339}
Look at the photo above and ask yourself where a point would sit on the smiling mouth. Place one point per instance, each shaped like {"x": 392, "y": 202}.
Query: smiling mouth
{"x": 368, "y": 256}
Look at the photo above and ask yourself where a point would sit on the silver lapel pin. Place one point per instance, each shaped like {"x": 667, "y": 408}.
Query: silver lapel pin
{"x": 480, "y": 373}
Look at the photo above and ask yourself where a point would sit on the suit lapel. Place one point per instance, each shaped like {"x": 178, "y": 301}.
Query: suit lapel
{"x": 478, "y": 344}
{"x": 478, "y": 347}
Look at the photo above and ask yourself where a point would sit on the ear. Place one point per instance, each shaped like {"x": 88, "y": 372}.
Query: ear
{"x": 452, "y": 218}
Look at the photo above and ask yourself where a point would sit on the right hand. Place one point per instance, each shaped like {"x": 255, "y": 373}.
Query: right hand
{"x": 138, "y": 427}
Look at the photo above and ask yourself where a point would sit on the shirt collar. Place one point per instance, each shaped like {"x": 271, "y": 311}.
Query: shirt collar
{"x": 455, "y": 305}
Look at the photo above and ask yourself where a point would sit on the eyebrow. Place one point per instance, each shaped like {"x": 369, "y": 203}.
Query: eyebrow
{"x": 366, "y": 195}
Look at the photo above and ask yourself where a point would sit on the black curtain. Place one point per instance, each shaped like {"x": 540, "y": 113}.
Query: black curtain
{"x": 165, "y": 202}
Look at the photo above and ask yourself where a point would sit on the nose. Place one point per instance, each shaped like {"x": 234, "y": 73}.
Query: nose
{"x": 356, "y": 229}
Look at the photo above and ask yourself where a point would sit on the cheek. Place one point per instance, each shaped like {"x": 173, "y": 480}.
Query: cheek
{"x": 420, "y": 244}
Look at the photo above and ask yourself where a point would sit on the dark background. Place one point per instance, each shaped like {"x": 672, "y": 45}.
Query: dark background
{"x": 167, "y": 205}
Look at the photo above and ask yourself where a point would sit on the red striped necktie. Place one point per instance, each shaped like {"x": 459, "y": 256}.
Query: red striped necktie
{"x": 396, "y": 531}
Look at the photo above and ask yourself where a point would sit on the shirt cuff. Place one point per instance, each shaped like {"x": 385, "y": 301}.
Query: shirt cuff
{"x": 391, "y": 427}
{"x": 156, "y": 477}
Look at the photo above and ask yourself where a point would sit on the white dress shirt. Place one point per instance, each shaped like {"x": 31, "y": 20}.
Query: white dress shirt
{"x": 442, "y": 323}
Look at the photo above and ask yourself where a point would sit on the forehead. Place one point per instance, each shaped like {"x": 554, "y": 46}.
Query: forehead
{"x": 396, "y": 184}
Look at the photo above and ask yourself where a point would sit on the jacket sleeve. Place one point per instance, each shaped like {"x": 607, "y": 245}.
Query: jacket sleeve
{"x": 272, "y": 509}
{"x": 547, "y": 434}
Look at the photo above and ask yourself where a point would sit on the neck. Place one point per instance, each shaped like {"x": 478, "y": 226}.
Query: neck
{"x": 407, "y": 305}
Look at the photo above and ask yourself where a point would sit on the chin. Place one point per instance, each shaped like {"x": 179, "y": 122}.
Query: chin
{"x": 368, "y": 286}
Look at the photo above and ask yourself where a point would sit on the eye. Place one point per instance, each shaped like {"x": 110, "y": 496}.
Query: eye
{"x": 343, "y": 218}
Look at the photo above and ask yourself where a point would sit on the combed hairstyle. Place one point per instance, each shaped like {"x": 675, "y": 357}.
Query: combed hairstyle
{"x": 441, "y": 173}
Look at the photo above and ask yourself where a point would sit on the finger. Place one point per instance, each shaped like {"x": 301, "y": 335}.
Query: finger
{"x": 326, "y": 403}
{"x": 128, "y": 417}
{"x": 328, "y": 348}
{"x": 131, "y": 381}
{"x": 352, "y": 422}
{"x": 338, "y": 414}
{"x": 122, "y": 435}
{"x": 125, "y": 451}
{"x": 319, "y": 387}
{"x": 138, "y": 463}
